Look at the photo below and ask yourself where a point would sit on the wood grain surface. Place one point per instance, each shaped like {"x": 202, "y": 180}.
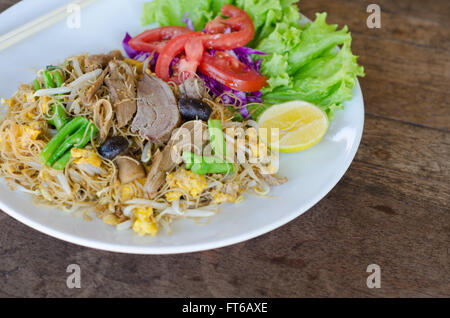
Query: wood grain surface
{"x": 391, "y": 208}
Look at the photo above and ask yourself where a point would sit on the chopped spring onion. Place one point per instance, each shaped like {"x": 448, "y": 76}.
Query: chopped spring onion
{"x": 217, "y": 138}
{"x": 48, "y": 80}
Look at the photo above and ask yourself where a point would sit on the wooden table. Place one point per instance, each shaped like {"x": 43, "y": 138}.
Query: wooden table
{"x": 390, "y": 209}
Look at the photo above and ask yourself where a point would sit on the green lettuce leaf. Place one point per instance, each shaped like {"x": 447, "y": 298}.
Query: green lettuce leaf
{"x": 327, "y": 81}
{"x": 305, "y": 64}
{"x": 216, "y": 5}
{"x": 316, "y": 39}
{"x": 275, "y": 69}
{"x": 171, "y": 12}
{"x": 264, "y": 13}
{"x": 283, "y": 38}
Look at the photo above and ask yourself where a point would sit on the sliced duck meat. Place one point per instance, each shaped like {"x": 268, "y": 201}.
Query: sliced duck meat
{"x": 157, "y": 115}
{"x": 194, "y": 88}
{"x": 95, "y": 61}
{"x": 123, "y": 91}
{"x": 191, "y": 136}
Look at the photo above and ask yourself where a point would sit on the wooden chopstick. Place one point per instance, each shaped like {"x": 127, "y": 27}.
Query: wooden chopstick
{"x": 39, "y": 24}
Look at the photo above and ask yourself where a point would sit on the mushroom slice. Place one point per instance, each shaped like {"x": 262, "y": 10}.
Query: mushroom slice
{"x": 129, "y": 169}
{"x": 103, "y": 117}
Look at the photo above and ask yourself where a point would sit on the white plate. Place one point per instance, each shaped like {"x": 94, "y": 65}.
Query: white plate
{"x": 312, "y": 173}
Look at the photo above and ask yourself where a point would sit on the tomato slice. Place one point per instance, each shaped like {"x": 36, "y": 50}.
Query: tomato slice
{"x": 194, "y": 51}
{"x": 231, "y": 72}
{"x": 154, "y": 40}
{"x": 239, "y": 23}
{"x": 220, "y": 34}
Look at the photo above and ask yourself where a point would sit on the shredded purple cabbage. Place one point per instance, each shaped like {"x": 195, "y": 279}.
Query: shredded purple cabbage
{"x": 139, "y": 56}
{"x": 172, "y": 64}
{"x": 258, "y": 64}
{"x": 132, "y": 53}
{"x": 218, "y": 89}
{"x": 244, "y": 54}
{"x": 188, "y": 21}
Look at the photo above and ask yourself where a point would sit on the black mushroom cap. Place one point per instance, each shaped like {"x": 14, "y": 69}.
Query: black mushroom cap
{"x": 193, "y": 109}
{"x": 113, "y": 147}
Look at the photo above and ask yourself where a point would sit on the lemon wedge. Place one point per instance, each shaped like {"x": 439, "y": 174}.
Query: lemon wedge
{"x": 300, "y": 125}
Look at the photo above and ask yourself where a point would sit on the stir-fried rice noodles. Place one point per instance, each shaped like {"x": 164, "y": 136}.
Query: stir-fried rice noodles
{"x": 83, "y": 187}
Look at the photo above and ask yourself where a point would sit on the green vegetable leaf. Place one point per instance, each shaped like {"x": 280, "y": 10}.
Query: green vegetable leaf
{"x": 316, "y": 39}
{"x": 275, "y": 68}
{"x": 171, "y": 12}
{"x": 283, "y": 38}
{"x": 327, "y": 81}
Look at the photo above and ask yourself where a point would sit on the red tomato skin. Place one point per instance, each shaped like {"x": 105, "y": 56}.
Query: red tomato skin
{"x": 232, "y": 73}
{"x": 222, "y": 67}
{"x": 170, "y": 51}
{"x": 239, "y": 21}
{"x": 194, "y": 53}
{"x": 154, "y": 40}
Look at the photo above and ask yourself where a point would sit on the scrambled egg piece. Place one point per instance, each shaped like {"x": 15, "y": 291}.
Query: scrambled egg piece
{"x": 28, "y": 132}
{"x": 128, "y": 192}
{"x": 144, "y": 223}
{"x": 43, "y": 104}
{"x": 29, "y": 116}
{"x": 84, "y": 156}
{"x": 139, "y": 65}
{"x": 29, "y": 97}
{"x": 188, "y": 181}
{"x": 220, "y": 197}
{"x": 272, "y": 169}
{"x": 22, "y": 134}
{"x": 173, "y": 195}
{"x": 258, "y": 148}
{"x": 110, "y": 219}
{"x": 6, "y": 102}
